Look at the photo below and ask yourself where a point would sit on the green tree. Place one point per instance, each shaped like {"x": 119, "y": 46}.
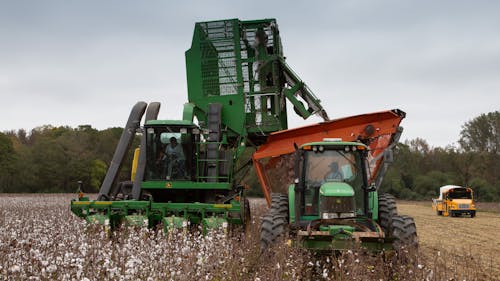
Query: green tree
{"x": 482, "y": 134}
{"x": 8, "y": 159}
{"x": 97, "y": 173}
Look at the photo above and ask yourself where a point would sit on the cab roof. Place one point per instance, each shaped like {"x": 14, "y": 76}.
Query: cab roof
{"x": 183, "y": 123}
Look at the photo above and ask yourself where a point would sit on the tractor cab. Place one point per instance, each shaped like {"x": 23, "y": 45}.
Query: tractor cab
{"x": 331, "y": 182}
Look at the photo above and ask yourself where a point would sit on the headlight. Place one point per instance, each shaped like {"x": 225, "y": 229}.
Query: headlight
{"x": 327, "y": 216}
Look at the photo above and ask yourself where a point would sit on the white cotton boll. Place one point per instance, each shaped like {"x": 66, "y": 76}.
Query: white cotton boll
{"x": 52, "y": 268}
{"x": 15, "y": 268}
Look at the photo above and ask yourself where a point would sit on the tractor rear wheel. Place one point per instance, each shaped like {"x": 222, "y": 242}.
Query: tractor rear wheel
{"x": 386, "y": 211}
{"x": 404, "y": 233}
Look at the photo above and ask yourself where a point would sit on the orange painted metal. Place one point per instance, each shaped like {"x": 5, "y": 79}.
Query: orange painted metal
{"x": 373, "y": 129}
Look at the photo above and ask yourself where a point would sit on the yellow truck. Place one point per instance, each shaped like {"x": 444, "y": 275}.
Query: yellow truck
{"x": 454, "y": 201}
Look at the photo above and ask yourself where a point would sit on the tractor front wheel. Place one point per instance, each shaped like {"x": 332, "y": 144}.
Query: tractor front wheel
{"x": 274, "y": 223}
{"x": 279, "y": 204}
{"x": 386, "y": 211}
{"x": 273, "y": 227}
{"x": 404, "y": 233}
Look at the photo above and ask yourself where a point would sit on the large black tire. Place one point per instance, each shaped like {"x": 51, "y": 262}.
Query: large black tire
{"x": 246, "y": 216}
{"x": 273, "y": 226}
{"x": 404, "y": 232}
{"x": 386, "y": 211}
{"x": 275, "y": 223}
{"x": 472, "y": 214}
{"x": 279, "y": 204}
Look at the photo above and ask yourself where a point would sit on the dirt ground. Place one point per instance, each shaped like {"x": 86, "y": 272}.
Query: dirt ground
{"x": 478, "y": 237}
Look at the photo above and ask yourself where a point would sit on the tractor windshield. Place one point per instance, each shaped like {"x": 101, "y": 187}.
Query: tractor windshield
{"x": 169, "y": 151}
{"x": 330, "y": 166}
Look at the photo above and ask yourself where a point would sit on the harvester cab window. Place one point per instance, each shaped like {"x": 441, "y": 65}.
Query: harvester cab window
{"x": 168, "y": 150}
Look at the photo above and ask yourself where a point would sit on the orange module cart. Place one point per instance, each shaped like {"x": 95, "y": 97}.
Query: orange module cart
{"x": 274, "y": 163}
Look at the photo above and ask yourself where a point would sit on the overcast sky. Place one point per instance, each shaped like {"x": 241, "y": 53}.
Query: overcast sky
{"x": 88, "y": 62}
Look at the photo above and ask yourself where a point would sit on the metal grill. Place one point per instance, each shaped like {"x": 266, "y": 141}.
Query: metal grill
{"x": 463, "y": 206}
{"x": 336, "y": 204}
{"x": 219, "y": 67}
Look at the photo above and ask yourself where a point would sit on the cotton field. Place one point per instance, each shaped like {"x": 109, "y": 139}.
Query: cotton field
{"x": 40, "y": 239}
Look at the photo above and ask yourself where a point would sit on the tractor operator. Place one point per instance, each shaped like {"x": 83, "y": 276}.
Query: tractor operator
{"x": 334, "y": 174}
{"x": 175, "y": 158}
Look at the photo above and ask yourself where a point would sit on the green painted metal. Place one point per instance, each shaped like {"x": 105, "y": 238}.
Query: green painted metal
{"x": 184, "y": 123}
{"x": 184, "y": 185}
{"x": 136, "y": 220}
{"x": 147, "y": 213}
{"x": 340, "y": 189}
{"x": 173, "y": 222}
{"x": 373, "y": 204}
{"x": 98, "y": 219}
{"x": 213, "y": 223}
{"x": 240, "y": 64}
{"x": 291, "y": 203}
{"x": 344, "y": 230}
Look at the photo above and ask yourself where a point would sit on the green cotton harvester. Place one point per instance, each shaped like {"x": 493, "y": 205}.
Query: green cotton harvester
{"x": 189, "y": 172}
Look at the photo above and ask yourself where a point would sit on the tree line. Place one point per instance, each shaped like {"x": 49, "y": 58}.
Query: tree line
{"x": 419, "y": 170}
{"x": 54, "y": 159}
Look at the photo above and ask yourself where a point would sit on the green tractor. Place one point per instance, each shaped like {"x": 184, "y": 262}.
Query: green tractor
{"x": 332, "y": 206}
